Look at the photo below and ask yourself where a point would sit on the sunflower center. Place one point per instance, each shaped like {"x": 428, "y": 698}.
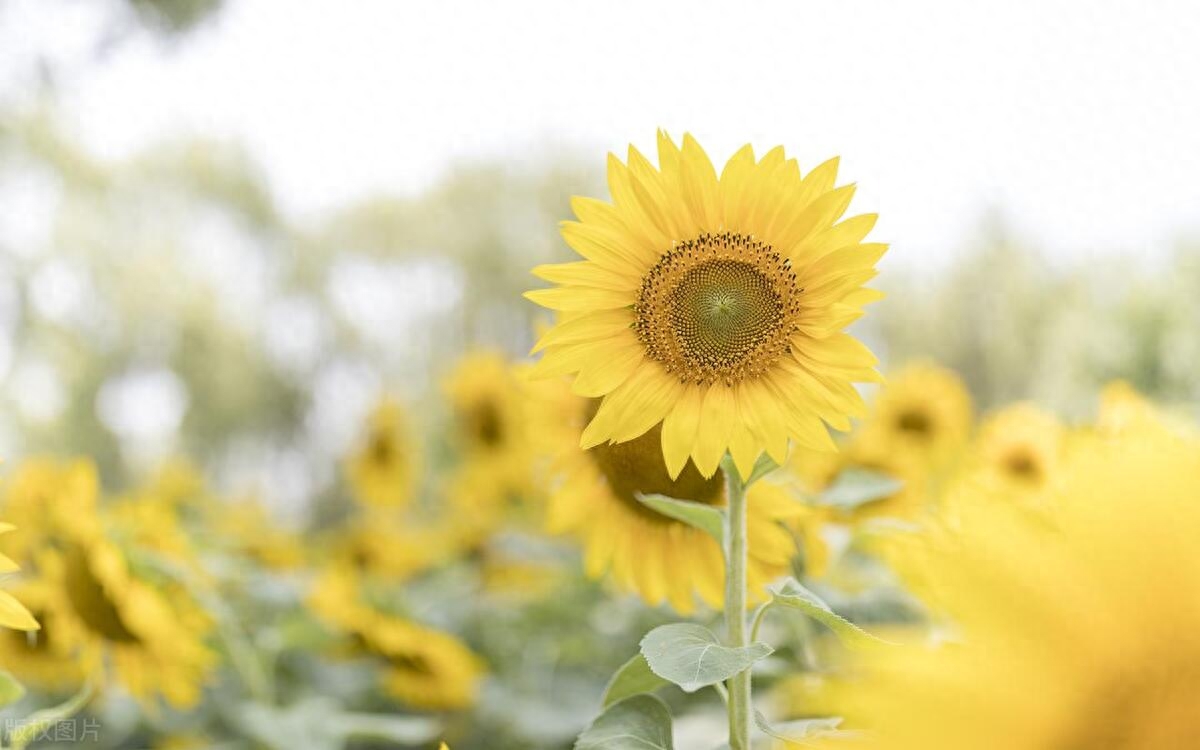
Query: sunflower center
{"x": 637, "y": 466}
{"x": 1022, "y": 465}
{"x": 91, "y": 602}
{"x": 916, "y": 423}
{"x": 382, "y": 449}
{"x": 719, "y": 308}
{"x": 485, "y": 424}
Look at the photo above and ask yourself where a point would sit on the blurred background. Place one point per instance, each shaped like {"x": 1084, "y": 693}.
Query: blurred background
{"x": 227, "y": 227}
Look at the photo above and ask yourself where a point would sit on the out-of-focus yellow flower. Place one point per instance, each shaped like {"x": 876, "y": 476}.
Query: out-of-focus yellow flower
{"x": 922, "y": 415}
{"x": 421, "y": 667}
{"x": 244, "y": 527}
{"x": 593, "y": 498}
{"x": 392, "y": 548}
{"x": 1070, "y": 624}
{"x": 490, "y": 431}
{"x": 48, "y": 499}
{"x": 147, "y": 632}
{"x": 1021, "y": 446}
{"x": 714, "y": 306}
{"x": 382, "y": 471}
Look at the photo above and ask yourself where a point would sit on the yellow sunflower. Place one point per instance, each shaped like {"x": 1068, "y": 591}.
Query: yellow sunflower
{"x": 713, "y": 305}
{"x": 921, "y": 417}
{"x": 396, "y": 549}
{"x": 1071, "y": 624}
{"x": 487, "y": 410}
{"x": 47, "y": 499}
{"x": 147, "y": 632}
{"x": 421, "y": 667}
{"x": 593, "y": 497}
{"x": 245, "y": 527}
{"x": 383, "y": 470}
{"x": 1022, "y": 445}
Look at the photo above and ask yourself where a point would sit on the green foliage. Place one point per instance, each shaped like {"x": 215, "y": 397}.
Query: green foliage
{"x": 633, "y": 678}
{"x": 706, "y": 518}
{"x": 642, "y": 722}
{"x": 855, "y": 487}
{"x": 790, "y": 593}
{"x": 690, "y": 656}
{"x": 11, "y": 690}
{"x": 799, "y": 729}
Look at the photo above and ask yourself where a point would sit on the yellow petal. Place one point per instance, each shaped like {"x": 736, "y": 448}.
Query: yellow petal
{"x": 14, "y": 615}
{"x": 717, "y": 416}
{"x": 679, "y": 429}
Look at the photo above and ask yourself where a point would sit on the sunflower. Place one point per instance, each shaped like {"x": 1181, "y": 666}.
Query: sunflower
{"x": 593, "y": 496}
{"x": 922, "y": 417}
{"x": 396, "y": 549}
{"x": 421, "y": 667}
{"x": 713, "y": 305}
{"x": 148, "y": 631}
{"x": 1022, "y": 445}
{"x": 488, "y": 426}
{"x": 47, "y": 499}
{"x": 382, "y": 471}
{"x": 245, "y": 527}
{"x": 1070, "y": 624}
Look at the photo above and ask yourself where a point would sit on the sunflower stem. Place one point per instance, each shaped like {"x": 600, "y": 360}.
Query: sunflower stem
{"x": 735, "y": 604}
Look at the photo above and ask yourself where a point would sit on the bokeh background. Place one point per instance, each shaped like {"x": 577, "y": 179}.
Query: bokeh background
{"x": 228, "y": 226}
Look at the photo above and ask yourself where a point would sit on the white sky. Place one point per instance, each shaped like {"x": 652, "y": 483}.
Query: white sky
{"x": 1078, "y": 120}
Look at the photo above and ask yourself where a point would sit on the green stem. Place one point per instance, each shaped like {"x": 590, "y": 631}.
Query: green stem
{"x": 735, "y": 605}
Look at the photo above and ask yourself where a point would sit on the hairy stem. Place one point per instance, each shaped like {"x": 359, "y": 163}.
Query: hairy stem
{"x": 735, "y": 605}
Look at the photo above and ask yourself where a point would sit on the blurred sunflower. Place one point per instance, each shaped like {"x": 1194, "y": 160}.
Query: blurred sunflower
{"x": 1021, "y": 445}
{"x": 243, "y": 527}
{"x": 489, "y": 429}
{"x": 47, "y": 499}
{"x": 396, "y": 549}
{"x": 382, "y": 471}
{"x": 1068, "y": 625}
{"x": 149, "y": 633}
{"x": 594, "y": 497}
{"x": 714, "y": 306}
{"x": 421, "y": 667}
{"x": 922, "y": 417}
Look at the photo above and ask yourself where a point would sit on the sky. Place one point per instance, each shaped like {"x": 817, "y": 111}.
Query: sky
{"x": 1076, "y": 121}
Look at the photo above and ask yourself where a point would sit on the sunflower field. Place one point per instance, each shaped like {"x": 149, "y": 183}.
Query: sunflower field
{"x": 645, "y": 451}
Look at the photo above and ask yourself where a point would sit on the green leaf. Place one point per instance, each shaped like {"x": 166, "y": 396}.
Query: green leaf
{"x": 708, "y": 519}
{"x": 11, "y": 690}
{"x": 800, "y": 729}
{"x": 633, "y": 678}
{"x": 638, "y": 723}
{"x": 790, "y": 593}
{"x": 764, "y": 466}
{"x": 855, "y": 487}
{"x": 691, "y": 656}
{"x": 32, "y": 726}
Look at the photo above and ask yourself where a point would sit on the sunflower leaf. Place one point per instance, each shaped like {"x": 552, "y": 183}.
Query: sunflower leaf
{"x": 690, "y": 655}
{"x": 633, "y": 678}
{"x": 800, "y": 729}
{"x": 706, "y": 518}
{"x": 790, "y": 593}
{"x": 11, "y": 690}
{"x": 641, "y": 722}
{"x": 764, "y": 466}
{"x": 856, "y": 487}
